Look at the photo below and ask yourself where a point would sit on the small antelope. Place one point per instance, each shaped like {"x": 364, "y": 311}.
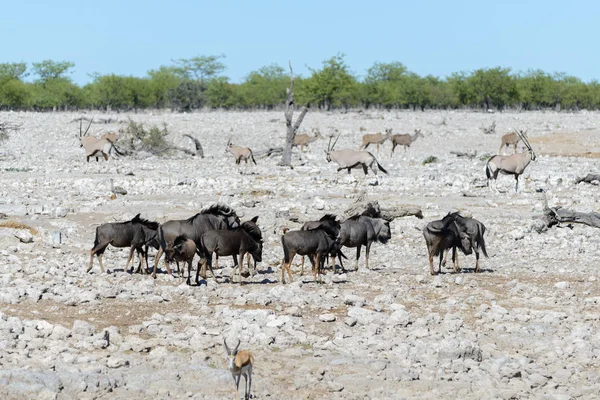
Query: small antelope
{"x": 240, "y": 153}
{"x": 349, "y": 159}
{"x": 240, "y": 363}
{"x": 93, "y": 145}
{"x": 511, "y": 139}
{"x": 304, "y": 139}
{"x": 375, "y": 138}
{"x": 514, "y": 164}
{"x": 405, "y": 140}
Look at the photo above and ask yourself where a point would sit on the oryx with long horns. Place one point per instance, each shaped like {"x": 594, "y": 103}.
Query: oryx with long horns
{"x": 349, "y": 159}
{"x": 514, "y": 164}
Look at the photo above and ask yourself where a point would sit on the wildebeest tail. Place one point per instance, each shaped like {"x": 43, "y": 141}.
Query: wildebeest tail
{"x": 286, "y": 252}
{"x": 481, "y": 232}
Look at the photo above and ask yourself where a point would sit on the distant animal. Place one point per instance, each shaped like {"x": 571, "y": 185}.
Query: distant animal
{"x": 512, "y": 139}
{"x": 443, "y": 235}
{"x": 95, "y": 147}
{"x": 183, "y": 250}
{"x": 514, "y": 164}
{"x": 375, "y": 138}
{"x": 237, "y": 242}
{"x": 139, "y": 234}
{"x": 474, "y": 229}
{"x": 315, "y": 243}
{"x": 240, "y": 363}
{"x": 216, "y": 216}
{"x": 361, "y": 231}
{"x": 333, "y": 225}
{"x": 349, "y": 159}
{"x": 302, "y": 140}
{"x": 405, "y": 140}
{"x": 240, "y": 153}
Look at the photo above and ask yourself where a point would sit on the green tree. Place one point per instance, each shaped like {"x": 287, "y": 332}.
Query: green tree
{"x": 13, "y": 71}
{"x": 49, "y": 69}
{"x": 264, "y": 88}
{"x": 163, "y": 81}
{"x": 494, "y": 87}
{"x": 200, "y": 68}
{"x": 333, "y": 85}
{"x": 14, "y": 94}
{"x": 383, "y": 84}
{"x": 221, "y": 93}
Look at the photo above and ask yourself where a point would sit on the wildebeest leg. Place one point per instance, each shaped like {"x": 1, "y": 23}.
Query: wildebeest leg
{"x": 285, "y": 266}
{"x": 302, "y": 269}
{"x": 130, "y": 259}
{"x": 190, "y": 271}
{"x": 159, "y": 254}
{"x": 476, "y": 260}
{"x": 455, "y": 260}
{"x": 445, "y": 257}
{"x": 98, "y": 250}
{"x": 367, "y": 251}
{"x": 357, "y": 257}
{"x": 431, "y": 263}
{"x": 316, "y": 267}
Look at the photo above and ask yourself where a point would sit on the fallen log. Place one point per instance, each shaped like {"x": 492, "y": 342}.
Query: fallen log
{"x": 199, "y": 149}
{"x": 589, "y": 178}
{"x": 272, "y": 151}
{"x": 463, "y": 154}
{"x": 373, "y": 209}
{"x": 556, "y": 215}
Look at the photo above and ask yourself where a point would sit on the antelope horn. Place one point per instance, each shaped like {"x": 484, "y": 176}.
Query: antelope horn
{"x": 80, "y": 126}
{"x": 238, "y": 345}
{"x": 336, "y": 140}
{"x": 329, "y": 144}
{"x": 88, "y": 128}
{"x": 225, "y": 343}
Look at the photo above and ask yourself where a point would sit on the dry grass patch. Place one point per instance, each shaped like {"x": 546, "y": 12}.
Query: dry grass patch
{"x": 11, "y": 224}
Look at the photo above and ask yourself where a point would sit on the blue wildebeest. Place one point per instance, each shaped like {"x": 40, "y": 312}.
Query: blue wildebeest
{"x": 138, "y": 234}
{"x": 316, "y": 243}
{"x": 361, "y": 230}
{"x": 216, "y": 216}
{"x": 247, "y": 239}
{"x": 474, "y": 229}
{"x": 183, "y": 250}
{"x": 444, "y": 235}
{"x": 332, "y": 225}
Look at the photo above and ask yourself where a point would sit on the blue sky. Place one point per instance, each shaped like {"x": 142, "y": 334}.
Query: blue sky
{"x": 429, "y": 37}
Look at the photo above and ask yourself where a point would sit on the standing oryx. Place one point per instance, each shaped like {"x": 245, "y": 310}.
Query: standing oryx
{"x": 349, "y": 159}
{"x": 240, "y": 153}
{"x": 405, "y": 140}
{"x": 95, "y": 147}
{"x": 375, "y": 138}
{"x": 514, "y": 164}
{"x": 512, "y": 138}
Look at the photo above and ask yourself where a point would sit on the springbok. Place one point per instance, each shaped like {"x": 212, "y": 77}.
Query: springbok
{"x": 304, "y": 139}
{"x": 240, "y": 363}
{"x": 405, "y": 140}
{"x": 375, "y": 138}
{"x": 514, "y": 164}
{"x": 349, "y": 159}
{"x": 93, "y": 146}
{"x": 240, "y": 153}
{"x": 511, "y": 138}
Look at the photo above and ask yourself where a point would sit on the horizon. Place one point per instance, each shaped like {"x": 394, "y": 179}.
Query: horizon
{"x": 453, "y": 38}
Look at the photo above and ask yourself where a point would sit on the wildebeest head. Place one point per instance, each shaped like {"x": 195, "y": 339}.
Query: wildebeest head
{"x": 462, "y": 237}
{"x": 175, "y": 248}
{"x": 384, "y": 233}
{"x": 257, "y": 253}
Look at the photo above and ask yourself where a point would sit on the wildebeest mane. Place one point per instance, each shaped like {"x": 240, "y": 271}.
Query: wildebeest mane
{"x": 328, "y": 217}
{"x": 150, "y": 224}
{"x": 252, "y": 229}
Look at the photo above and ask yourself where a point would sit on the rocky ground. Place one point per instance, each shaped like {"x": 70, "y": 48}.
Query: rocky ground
{"x": 525, "y": 327}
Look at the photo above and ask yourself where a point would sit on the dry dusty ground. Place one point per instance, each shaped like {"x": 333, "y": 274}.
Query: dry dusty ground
{"x": 526, "y": 327}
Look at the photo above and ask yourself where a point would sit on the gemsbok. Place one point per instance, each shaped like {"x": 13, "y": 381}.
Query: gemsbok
{"x": 302, "y": 140}
{"x": 375, "y": 138}
{"x": 240, "y": 153}
{"x": 349, "y": 159}
{"x": 405, "y": 140}
{"x": 511, "y": 139}
{"x": 514, "y": 164}
{"x": 240, "y": 363}
{"x": 95, "y": 147}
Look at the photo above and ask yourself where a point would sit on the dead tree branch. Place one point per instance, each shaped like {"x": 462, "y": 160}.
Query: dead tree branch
{"x": 463, "y": 154}
{"x": 557, "y": 215}
{"x": 199, "y": 149}
{"x": 490, "y": 130}
{"x": 373, "y": 209}
{"x": 589, "y": 178}
{"x": 271, "y": 151}
{"x": 292, "y": 127}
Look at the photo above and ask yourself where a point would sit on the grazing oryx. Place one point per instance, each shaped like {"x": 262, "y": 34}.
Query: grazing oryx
{"x": 138, "y": 234}
{"x": 247, "y": 239}
{"x": 375, "y": 138}
{"x": 183, "y": 250}
{"x": 511, "y": 138}
{"x": 361, "y": 230}
{"x": 349, "y": 159}
{"x": 405, "y": 140}
{"x": 316, "y": 243}
{"x": 240, "y": 153}
{"x": 332, "y": 225}
{"x": 216, "y": 216}
{"x": 95, "y": 147}
{"x": 514, "y": 164}
{"x": 304, "y": 139}
{"x": 474, "y": 230}
{"x": 442, "y": 235}
{"x": 240, "y": 363}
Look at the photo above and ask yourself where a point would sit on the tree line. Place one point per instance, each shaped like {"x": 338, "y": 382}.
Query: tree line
{"x": 198, "y": 82}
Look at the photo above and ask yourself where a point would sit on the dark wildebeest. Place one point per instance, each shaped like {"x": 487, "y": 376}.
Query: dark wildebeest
{"x": 247, "y": 239}
{"x": 442, "y": 235}
{"x": 317, "y": 243}
{"x": 216, "y": 216}
{"x": 474, "y": 230}
{"x": 328, "y": 220}
{"x": 183, "y": 250}
{"x": 138, "y": 234}
{"x": 363, "y": 231}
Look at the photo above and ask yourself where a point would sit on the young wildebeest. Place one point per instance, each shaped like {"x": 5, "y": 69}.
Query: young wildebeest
{"x": 240, "y": 153}
{"x": 474, "y": 229}
{"x": 138, "y": 234}
{"x": 363, "y": 231}
{"x": 237, "y": 242}
{"x": 316, "y": 243}
{"x": 240, "y": 363}
{"x": 442, "y": 235}
{"x": 332, "y": 225}
{"x": 183, "y": 250}
{"x": 514, "y": 164}
{"x": 216, "y": 216}
{"x": 405, "y": 140}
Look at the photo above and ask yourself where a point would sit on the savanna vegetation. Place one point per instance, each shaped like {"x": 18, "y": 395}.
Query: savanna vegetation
{"x": 198, "y": 82}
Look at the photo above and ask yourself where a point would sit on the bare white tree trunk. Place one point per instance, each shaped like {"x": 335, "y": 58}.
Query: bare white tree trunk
{"x": 292, "y": 128}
